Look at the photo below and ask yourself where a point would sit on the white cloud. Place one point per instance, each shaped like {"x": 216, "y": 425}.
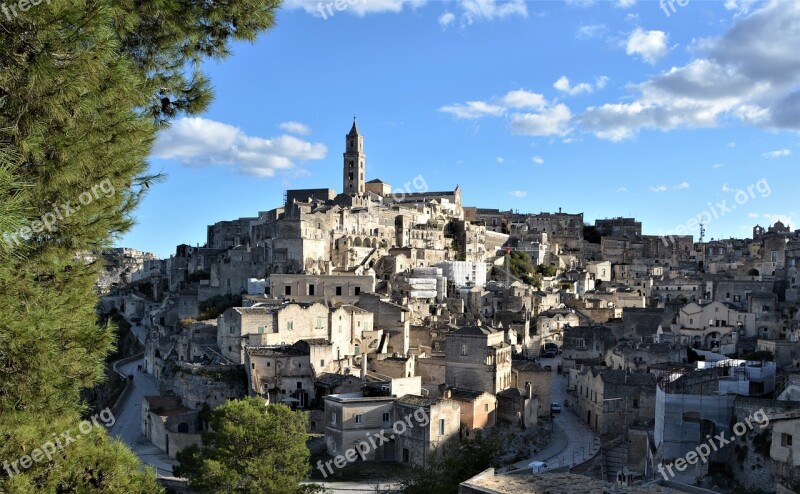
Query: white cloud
{"x": 681, "y": 186}
{"x": 753, "y": 215}
{"x": 778, "y": 153}
{"x": 524, "y": 100}
{"x": 732, "y": 144}
{"x": 529, "y": 113}
{"x": 624, "y": 4}
{"x": 589, "y": 31}
{"x": 501, "y": 160}
{"x": 658, "y": 188}
{"x": 717, "y": 165}
{"x": 750, "y": 74}
{"x": 295, "y": 128}
{"x": 200, "y": 142}
{"x": 489, "y": 10}
{"x": 353, "y": 7}
{"x": 473, "y": 109}
{"x": 554, "y": 120}
{"x": 580, "y": 3}
{"x": 741, "y": 6}
{"x": 621, "y": 190}
{"x": 538, "y": 160}
{"x": 446, "y": 19}
{"x": 563, "y": 85}
{"x": 649, "y": 45}
{"x": 518, "y": 193}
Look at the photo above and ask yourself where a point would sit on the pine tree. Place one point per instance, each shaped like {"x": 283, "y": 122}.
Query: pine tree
{"x": 251, "y": 448}
{"x": 84, "y": 88}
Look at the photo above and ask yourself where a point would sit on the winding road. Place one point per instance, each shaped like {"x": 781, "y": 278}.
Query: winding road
{"x": 128, "y": 425}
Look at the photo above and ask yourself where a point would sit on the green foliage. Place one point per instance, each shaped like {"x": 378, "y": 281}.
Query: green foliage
{"x": 523, "y": 268}
{"x": 216, "y": 305}
{"x": 252, "y": 448}
{"x": 547, "y": 270}
{"x": 84, "y": 87}
{"x": 445, "y": 471}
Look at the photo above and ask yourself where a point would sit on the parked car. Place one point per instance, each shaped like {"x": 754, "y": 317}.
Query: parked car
{"x": 537, "y": 466}
{"x": 555, "y": 408}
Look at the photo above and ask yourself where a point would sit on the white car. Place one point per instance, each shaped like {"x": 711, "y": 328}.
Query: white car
{"x": 537, "y": 466}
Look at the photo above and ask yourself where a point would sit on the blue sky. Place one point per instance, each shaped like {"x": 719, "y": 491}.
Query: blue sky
{"x": 607, "y": 107}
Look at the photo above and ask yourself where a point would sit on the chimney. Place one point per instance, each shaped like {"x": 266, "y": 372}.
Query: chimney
{"x": 364, "y": 367}
{"x": 447, "y": 394}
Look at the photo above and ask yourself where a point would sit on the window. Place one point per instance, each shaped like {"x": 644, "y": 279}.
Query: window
{"x": 786, "y": 440}
{"x": 231, "y": 330}
{"x": 441, "y": 427}
{"x": 333, "y": 418}
{"x": 261, "y": 330}
{"x": 319, "y": 323}
{"x": 463, "y": 349}
{"x": 357, "y": 290}
{"x": 290, "y": 325}
{"x": 359, "y": 419}
{"x": 635, "y": 403}
{"x": 485, "y": 407}
{"x": 311, "y": 289}
{"x": 299, "y": 385}
{"x": 322, "y": 363}
{"x": 385, "y": 417}
{"x": 338, "y": 290}
{"x": 287, "y": 290}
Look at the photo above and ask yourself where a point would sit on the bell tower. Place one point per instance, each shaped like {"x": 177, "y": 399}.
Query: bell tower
{"x": 354, "y": 162}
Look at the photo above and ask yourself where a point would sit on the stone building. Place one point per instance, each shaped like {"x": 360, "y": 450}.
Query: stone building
{"x": 527, "y": 376}
{"x": 325, "y": 289}
{"x": 478, "y": 409}
{"x": 432, "y": 427}
{"x": 611, "y": 400}
{"x": 167, "y": 425}
{"x": 351, "y": 418}
{"x": 478, "y": 358}
{"x": 288, "y": 323}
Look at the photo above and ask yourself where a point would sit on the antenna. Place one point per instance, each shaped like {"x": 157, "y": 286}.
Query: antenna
{"x": 702, "y": 231}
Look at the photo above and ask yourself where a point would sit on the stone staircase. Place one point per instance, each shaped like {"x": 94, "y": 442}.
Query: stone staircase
{"x": 616, "y": 460}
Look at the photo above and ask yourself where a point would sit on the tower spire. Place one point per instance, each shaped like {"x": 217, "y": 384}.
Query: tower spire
{"x": 354, "y": 161}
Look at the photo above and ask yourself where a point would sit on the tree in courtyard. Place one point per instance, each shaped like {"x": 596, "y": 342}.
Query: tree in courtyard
{"x": 251, "y": 448}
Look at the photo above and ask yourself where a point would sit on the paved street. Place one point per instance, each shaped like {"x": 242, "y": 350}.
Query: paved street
{"x": 573, "y": 442}
{"x": 128, "y": 426}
